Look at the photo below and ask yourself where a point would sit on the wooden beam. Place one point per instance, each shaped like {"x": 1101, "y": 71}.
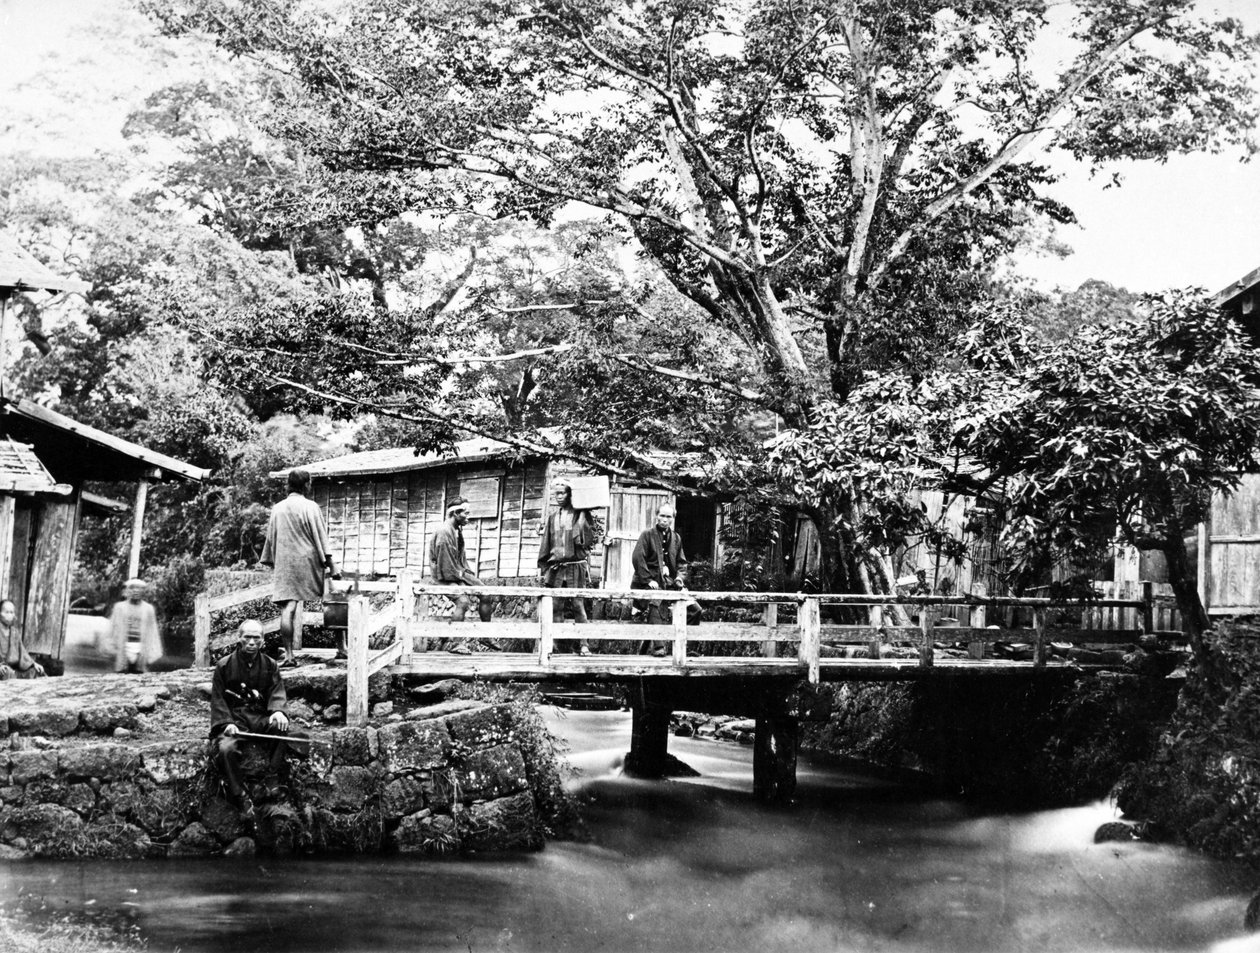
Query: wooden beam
{"x": 201, "y": 630}
{"x": 770, "y": 619}
{"x": 809, "y": 619}
{"x": 546, "y": 606}
{"x": 679, "y": 635}
{"x": 357, "y": 663}
{"x": 8, "y": 508}
{"x": 137, "y": 528}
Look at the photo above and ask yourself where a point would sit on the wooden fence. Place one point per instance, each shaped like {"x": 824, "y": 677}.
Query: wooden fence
{"x": 804, "y": 633}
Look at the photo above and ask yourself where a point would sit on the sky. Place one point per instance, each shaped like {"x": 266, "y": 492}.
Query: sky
{"x": 1194, "y": 221}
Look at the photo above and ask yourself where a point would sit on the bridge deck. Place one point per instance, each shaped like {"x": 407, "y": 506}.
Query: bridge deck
{"x": 522, "y": 666}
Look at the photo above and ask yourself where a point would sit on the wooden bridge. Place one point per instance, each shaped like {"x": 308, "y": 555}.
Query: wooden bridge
{"x": 746, "y": 656}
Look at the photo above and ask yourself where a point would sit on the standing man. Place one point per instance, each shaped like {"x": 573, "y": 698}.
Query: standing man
{"x": 567, "y": 538}
{"x": 133, "y": 630}
{"x": 658, "y": 563}
{"x": 246, "y": 694}
{"x": 297, "y": 547}
{"x": 448, "y": 564}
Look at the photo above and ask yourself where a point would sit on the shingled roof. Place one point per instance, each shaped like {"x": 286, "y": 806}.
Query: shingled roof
{"x": 20, "y": 271}
{"x": 22, "y": 472}
{"x": 402, "y": 459}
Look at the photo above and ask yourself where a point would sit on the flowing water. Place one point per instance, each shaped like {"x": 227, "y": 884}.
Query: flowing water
{"x": 856, "y": 864}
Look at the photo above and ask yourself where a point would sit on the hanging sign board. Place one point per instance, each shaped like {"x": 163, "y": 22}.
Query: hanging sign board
{"x": 589, "y": 492}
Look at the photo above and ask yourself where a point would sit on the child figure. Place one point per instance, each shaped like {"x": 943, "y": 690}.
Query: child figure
{"x": 133, "y": 630}
{"x": 15, "y": 662}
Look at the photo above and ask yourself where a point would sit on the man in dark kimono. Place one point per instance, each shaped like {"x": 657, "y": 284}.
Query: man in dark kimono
{"x": 658, "y": 563}
{"x": 247, "y": 694}
{"x": 563, "y": 551}
{"x": 448, "y": 564}
{"x": 297, "y": 546}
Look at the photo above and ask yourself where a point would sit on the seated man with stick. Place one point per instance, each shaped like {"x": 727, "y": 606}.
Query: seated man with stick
{"x": 247, "y": 701}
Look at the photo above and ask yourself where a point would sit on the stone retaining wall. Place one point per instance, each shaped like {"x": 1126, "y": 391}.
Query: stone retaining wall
{"x": 97, "y": 773}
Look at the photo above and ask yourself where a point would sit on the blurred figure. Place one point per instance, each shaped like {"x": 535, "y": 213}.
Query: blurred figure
{"x": 133, "y": 630}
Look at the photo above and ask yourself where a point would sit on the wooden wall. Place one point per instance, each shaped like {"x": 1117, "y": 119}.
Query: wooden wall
{"x": 51, "y": 566}
{"x": 1229, "y": 551}
{"x": 380, "y": 525}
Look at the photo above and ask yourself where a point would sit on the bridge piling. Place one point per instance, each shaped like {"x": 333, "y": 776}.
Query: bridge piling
{"x": 774, "y": 758}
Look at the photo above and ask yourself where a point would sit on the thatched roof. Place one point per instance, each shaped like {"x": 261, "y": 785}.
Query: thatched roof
{"x": 20, "y": 271}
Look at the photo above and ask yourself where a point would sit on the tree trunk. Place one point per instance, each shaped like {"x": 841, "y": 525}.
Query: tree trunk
{"x": 1184, "y": 580}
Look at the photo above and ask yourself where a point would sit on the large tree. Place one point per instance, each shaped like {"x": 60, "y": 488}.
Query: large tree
{"x": 824, "y": 184}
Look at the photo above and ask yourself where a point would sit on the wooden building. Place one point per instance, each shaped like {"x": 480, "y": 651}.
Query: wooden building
{"x": 45, "y": 460}
{"x": 382, "y": 506}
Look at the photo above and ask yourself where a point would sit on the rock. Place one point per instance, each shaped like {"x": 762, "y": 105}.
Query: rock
{"x": 241, "y": 847}
{"x": 403, "y": 796}
{"x": 1251, "y": 919}
{"x": 194, "y": 841}
{"x": 1114, "y": 831}
{"x": 358, "y": 832}
{"x": 55, "y": 721}
{"x": 42, "y": 824}
{"x": 103, "y": 719}
{"x": 11, "y": 794}
{"x": 480, "y": 728}
{"x": 205, "y": 690}
{"x": 509, "y": 823}
{"x": 442, "y": 709}
{"x": 425, "y": 833}
{"x": 395, "y": 717}
{"x": 117, "y": 840}
{"x": 381, "y": 709}
{"x": 149, "y": 702}
{"x": 349, "y": 788}
{"x": 174, "y": 760}
{"x": 222, "y": 819}
{"x": 100, "y": 761}
{"x": 9, "y": 852}
{"x": 684, "y": 731}
{"x": 28, "y": 766}
{"x": 435, "y": 692}
{"x": 353, "y": 745}
{"x": 81, "y": 799}
{"x": 334, "y": 713}
{"x": 299, "y": 710}
{"x": 491, "y": 773}
{"x": 409, "y": 745}
{"x": 121, "y": 732}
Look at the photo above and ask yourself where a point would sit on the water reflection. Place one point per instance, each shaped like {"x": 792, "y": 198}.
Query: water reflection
{"x": 858, "y": 863}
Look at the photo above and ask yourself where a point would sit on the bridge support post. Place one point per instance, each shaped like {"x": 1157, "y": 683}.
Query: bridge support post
{"x": 774, "y": 758}
{"x": 649, "y": 740}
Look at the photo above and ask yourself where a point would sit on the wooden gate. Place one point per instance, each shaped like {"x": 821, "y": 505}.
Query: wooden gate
{"x": 630, "y": 512}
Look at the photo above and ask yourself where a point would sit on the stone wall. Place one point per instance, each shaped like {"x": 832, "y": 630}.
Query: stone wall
{"x": 117, "y": 766}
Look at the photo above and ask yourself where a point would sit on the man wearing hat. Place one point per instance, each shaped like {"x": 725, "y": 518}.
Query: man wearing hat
{"x": 567, "y": 538}
{"x": 133, "y": 629}
{"x": 448, "y": 563}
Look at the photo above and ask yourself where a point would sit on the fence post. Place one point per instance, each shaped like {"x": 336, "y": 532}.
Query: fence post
{"x": 404, "y": 605}
{"x": 977, "y": 619}
{"x": 1040, "y": 615}
{"x": 201, "y": 630}
{"x": 1148, "y": 608}
{"x": 877, "y": 631}
{"x": 545, "y": 610}
{"x": 770, "y": 617}
{"x": 927, "y": 623}
{"x": 808, "y": 616}
{"x": 357, "y": 662}
{"x": 678, "y": 614}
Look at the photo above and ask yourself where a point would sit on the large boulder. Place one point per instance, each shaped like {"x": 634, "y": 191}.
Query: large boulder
{"x": 52, "y": 720}
{"x": 491, "y": 773}
{"x": 509, "y": 823}
{"x": 106, "y": 761}
{"x": 174, "y": 760}
{"x": 28, "y": 766}
{"x": 408, "y": 746}
{"x": 46, "y": 827}
{"x": 349, "y": 788}
{"x": 354, "y": 745}
{"x": 194, "y": 841}
{"x": 489, "y": 725}
{"x": 402, "y": 796}
{"x": 103, "y": 719}
{"x": 425, "y": 833}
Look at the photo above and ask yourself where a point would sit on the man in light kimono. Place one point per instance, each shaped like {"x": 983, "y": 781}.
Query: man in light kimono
{"x": 134, "y": 638}
{"x": 297, "y": 547}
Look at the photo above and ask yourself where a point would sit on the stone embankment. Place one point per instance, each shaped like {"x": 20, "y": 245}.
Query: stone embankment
{"x": 117, "y": 766}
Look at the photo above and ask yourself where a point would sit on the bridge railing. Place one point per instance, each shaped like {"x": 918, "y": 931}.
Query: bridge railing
{"x": 773, "y": 633}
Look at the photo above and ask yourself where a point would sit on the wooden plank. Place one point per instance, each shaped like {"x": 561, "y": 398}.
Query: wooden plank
{"x": 201, "y": 630}
{"x": 8, "y": 510}
{"x": 19, "y": 574}
{"x": 546, "y": 643}
{"x": 404, "y": 607}
{"x": 809, "y": 619}
{"x": 357, "y": 663}
{"x": 679, "y": 640}
{"x": 927, "y": 622}
{"x": 386, "y": 656}
{"x": 877, "y": 630}
{"x": 261, "y": 591}
{"x": 770, "y": 621}
{"x": 52, "y": 560}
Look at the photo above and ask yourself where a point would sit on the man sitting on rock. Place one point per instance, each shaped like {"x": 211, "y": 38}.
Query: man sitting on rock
{"x": 247, "y": 695}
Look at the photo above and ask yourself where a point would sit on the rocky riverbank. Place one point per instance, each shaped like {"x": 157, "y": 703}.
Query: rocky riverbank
{"x": 117, "y": 766}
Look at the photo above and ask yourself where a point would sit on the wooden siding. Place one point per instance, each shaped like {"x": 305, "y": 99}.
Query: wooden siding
{"x": 382, "y": 525}
{"x": 1229, "y": 554}
{"x": 52, "y": 562}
